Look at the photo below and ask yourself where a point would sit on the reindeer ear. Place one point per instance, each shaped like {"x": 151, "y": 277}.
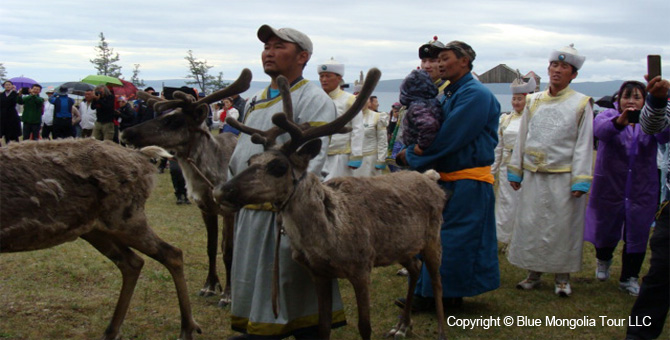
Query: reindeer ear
{"x": 201, "y": 113}
{"x": 310, "y": 149}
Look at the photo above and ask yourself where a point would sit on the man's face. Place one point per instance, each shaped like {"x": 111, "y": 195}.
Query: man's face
{"x": 88, "y": 95}
{"x": 373, "y": 104}
{"x": 280, "y": 57}
{"x": 36, "y": 90}
{"x": 430, "y": 66}
{"x": 8, "y": 86}
{"x": 329, "y": 81}
{"x": 450, "y": 66}
{"x": 560, "y": 74}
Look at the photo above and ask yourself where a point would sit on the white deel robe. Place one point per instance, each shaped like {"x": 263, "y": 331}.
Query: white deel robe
{"x": 372, "y": 149}
{"x": 552, "y": 157}
{"x": 506, "y": 197}
{"x": 339, "y": 149}
{"x": 256, "y": 230}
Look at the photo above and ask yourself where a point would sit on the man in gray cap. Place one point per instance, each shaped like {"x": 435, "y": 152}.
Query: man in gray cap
{"x": 553, "y": 158}
{"x": 462, "y": 153}
{"x": 286, "y": 53}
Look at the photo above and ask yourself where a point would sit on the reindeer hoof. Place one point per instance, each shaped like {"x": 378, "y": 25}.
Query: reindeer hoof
{"x": 225, "y": 300}
{"x": 206, "y": 292}
{"x": 399, "y": 331}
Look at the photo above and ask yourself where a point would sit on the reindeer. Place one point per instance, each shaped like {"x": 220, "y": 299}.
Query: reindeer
{"x": 203, "y": 159}
{"x": 346, "y": 226}
{"x": 54, "y": 192}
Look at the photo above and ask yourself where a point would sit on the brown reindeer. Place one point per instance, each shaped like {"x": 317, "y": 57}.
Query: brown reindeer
{"x": 346, "y": 226}
{"x": 203, "y": 158}
{"x": 54, "y": 192}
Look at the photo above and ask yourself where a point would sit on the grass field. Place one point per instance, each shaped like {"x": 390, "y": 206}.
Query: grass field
{"x": 69, "y": 292}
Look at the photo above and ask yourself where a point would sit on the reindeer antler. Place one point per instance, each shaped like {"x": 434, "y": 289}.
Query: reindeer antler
{"x": 188, "y": 104}
{"x": 300, "y": 136}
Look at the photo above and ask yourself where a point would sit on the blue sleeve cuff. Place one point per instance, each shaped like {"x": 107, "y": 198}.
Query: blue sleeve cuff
{"x": 513, "y": 178}
{"x": 355, "y": 164}
{"x": 583, "y": 186}
{"x": 380, "y": 166}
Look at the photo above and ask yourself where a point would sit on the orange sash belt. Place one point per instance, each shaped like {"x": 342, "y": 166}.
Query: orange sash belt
{"x": 482, "y": 174}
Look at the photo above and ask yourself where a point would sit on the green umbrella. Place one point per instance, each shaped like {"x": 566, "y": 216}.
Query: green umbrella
{"x": 97, "y": 79}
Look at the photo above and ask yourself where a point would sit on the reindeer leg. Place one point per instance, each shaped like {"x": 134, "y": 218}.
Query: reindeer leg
{"x": 212, "y": 284}
{"x": 433, "y": 257}
{"x": 130, "y": 266}
{"x": 147, "y": 242}
{"x": 324, "y": 294}
{"x": 227, "y": 248}
{"x": 361, "y": 284}
{"x": 404, "y": 325}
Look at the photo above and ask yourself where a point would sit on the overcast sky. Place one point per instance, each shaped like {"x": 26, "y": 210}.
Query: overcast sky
{"x": 53, "y": 41}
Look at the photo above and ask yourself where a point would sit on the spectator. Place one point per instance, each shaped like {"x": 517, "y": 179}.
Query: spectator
{"x": 88, "y": 115}
{"x": 228, "y": 111}
{"x": 104, "y": 112}
{"x": 653, "y": 303}
{"x": 239, "y": 104}
{"x": 368, "y": 153}
{"x": 339, "y": 149}
{"x": 10, "y": 124}
{"x": 553, "y": 156}
{"x": 126, "y": 114}
{"x": 48, "y": 117}
{"x": 286, "y": 53}
{"x": 33, "y": 106}
{"x": 66, "y": 114}
{"x": 624, "y": 196}
{"x": 506, "y": 196}
{"x": 462, "y": 153}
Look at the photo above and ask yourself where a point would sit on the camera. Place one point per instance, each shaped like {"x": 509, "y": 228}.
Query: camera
{"x": 634, "y": 116}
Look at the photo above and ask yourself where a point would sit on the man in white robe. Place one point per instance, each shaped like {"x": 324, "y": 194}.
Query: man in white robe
{"x": 286, "y": 53}
{"x": 553, "y": 157}
{"x": 339, "y": 150}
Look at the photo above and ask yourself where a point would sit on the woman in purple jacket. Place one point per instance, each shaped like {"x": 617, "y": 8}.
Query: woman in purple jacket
{"x": 624, "y": 193}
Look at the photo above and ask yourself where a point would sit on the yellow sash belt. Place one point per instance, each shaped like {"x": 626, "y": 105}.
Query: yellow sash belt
{"x": 482, "y": 174}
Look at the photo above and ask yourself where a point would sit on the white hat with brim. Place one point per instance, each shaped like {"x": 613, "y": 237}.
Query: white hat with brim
{"x": 519, "y": 86}
{"x": 331, "y": 66}
{"x": 266, "y": 32}
{"x": 569, "y": 55}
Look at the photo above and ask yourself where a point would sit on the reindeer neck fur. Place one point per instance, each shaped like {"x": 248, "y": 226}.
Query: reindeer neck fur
{"x": 310, "y": 217}
{"x": 202, "y": 149}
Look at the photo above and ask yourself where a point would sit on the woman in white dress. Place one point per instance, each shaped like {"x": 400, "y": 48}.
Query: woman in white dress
{"x": 506, "y": 197}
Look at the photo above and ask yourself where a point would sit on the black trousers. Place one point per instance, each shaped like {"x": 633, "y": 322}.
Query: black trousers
{"x": 62, "y": 128}
{"x": 178, "y": 181}
{"x": 652, "y": 305}
{"x": 31, "y": 130}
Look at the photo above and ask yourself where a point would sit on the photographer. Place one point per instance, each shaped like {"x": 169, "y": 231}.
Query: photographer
{"x": 103, "y": 102}
{"x": 654, "y": 299}
{"x": 624, "y": 195}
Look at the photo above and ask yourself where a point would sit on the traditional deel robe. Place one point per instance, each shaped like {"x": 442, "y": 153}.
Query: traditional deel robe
{"x": 625, "y": 187}
{"x": 466, "y": 141}
{"x": 368, "y": 154}
{"x": 552, "y": 157}
{"x": 506, "y": 197}
{"x": 339, "y": 149}
{"x": 256, "y": 230}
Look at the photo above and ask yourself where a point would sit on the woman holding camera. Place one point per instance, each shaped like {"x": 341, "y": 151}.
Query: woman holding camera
{"x": 624, "y": 193}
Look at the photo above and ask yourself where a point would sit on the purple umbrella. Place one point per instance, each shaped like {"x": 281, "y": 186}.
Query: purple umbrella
{"x": 21, "y": 82}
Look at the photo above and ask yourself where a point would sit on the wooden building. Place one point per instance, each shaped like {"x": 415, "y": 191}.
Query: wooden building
{"x": 505, "y": 74}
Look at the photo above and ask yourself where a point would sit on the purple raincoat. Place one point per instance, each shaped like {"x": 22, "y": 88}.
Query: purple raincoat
{"x": 625, "y": 188}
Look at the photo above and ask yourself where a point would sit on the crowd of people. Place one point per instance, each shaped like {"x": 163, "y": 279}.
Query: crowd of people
{"x": 516, "y": 180}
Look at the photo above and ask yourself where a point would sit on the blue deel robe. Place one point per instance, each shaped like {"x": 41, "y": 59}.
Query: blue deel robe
{"x": 467, "y": 139}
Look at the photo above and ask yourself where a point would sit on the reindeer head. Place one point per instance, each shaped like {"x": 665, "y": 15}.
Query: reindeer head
{"x": 271, "y": 176}
{"x": 174, "y": 130}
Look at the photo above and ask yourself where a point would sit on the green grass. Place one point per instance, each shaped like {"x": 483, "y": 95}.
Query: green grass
{"x": 69, "y": 292}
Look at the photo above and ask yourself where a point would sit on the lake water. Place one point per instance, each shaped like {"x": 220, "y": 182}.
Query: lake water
{"x": 386, "y": 99}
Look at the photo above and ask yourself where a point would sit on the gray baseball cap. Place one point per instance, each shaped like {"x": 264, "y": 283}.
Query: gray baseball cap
{"x": 266, "y": 32}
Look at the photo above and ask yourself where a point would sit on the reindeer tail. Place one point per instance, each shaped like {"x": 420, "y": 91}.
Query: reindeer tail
{"x": 432, "y": 174}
